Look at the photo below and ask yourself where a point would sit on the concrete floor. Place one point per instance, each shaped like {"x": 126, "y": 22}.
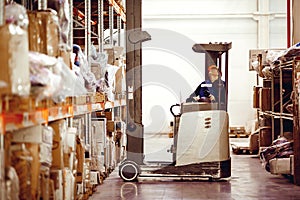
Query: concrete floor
{"x": 249, "y": 180}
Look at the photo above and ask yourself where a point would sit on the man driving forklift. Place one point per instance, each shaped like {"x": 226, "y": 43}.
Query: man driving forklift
{"x": 213, "y": 89}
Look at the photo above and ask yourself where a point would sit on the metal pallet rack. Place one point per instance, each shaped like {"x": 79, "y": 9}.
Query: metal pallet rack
{"x": 285, "y": 91}
{"x": 15, "y": 120}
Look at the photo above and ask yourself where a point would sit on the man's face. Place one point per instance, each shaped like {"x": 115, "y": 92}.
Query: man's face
{"x": 213, "y": 75}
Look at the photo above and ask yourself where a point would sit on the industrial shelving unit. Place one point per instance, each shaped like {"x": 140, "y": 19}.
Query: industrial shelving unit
{"x": 280, "y": 112}
{"x": 89, "y": 19}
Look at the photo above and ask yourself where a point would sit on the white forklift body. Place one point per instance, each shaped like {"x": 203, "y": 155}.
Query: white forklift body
{"x": 202, "y": 137}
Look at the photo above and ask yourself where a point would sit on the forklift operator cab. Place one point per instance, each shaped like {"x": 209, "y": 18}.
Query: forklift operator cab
{"x": 200, "y": 146}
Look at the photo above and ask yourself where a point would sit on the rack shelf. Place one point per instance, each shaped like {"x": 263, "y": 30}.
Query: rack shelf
{"x": 10, "y": 121}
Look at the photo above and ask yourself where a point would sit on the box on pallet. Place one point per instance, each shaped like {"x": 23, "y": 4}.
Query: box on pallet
{"x": 14, "y": 76}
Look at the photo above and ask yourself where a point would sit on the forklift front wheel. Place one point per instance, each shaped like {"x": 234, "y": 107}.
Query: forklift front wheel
{"x": 129, "y": 170}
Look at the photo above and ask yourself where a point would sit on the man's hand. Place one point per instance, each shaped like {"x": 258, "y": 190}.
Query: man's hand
{"x": 197, "y": 98}
{"x": 212, "y": 97}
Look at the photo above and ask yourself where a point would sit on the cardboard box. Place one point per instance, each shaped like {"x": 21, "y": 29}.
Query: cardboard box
{"x": 33, "y": 134}
{"x": 22, "y": 161}
{"x": 254, "y": 142}
{"x": 100, "y": 129}
{"x": 110, "y": 126}
{"x": 69, "y": 184}
{"x": 265, "y": 136}
{"x": 60, "y": 131}
{"x": 120, "y": 81}
{"x": 34, "y": 167}
{"x": 97, "y": 97}
{"x": 109, "y": 115}
{"x": 79, "y": 188}
{"x": 14, "y": 76}
{"x": 78, "y": 124}
{"x": 265, "y": 99}
{"x": 80, "y": 100}
{"x": 43, "y": 32}
{"x": 80, "y": 158}
{"x": 94, "y": 177}
{"x": 6, "y": 154}
{"x": 71, "y": 138}
{"x": 111, "y": 57}
{"x": 40, "y": 135}
{"x": 256, "y": 96}
{"x": 69, "y": 160}
{"x": 57, "y": 177}
{"x": 44, "y": 183}
{"x": 66, "y": 56}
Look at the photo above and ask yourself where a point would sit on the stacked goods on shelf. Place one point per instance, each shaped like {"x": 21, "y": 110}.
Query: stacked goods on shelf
{"x": 108, "y": 68}
{"x": 53, "y": 148}
{"x": 277, "y": 157}
{"x": 275, "y": 108}
{"x": 37, "y": 142}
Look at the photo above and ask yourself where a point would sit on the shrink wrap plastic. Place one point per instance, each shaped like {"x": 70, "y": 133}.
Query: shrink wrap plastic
{"x": 52, "y": 78}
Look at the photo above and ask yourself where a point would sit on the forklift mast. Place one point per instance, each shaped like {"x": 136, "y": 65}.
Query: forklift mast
{"x": 214, "y": 52}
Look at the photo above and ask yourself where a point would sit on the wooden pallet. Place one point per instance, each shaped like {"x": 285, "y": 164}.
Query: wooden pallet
{"x": 238, "y": 132}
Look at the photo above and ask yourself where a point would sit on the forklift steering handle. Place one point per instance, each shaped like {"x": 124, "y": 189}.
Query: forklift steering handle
{"x": 171, "y": 110}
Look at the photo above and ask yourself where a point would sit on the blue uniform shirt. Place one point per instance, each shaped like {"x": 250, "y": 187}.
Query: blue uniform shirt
{"x": 207, "y": 87}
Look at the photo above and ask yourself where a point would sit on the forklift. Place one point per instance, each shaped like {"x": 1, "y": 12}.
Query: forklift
{"x": 200, "y": 146}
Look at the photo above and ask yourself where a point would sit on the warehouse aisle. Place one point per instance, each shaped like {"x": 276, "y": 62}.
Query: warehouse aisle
{"x": 248, "y": 181}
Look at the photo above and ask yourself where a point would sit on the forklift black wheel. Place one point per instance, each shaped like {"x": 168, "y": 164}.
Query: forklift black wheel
{"x": 129, "y": 171}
